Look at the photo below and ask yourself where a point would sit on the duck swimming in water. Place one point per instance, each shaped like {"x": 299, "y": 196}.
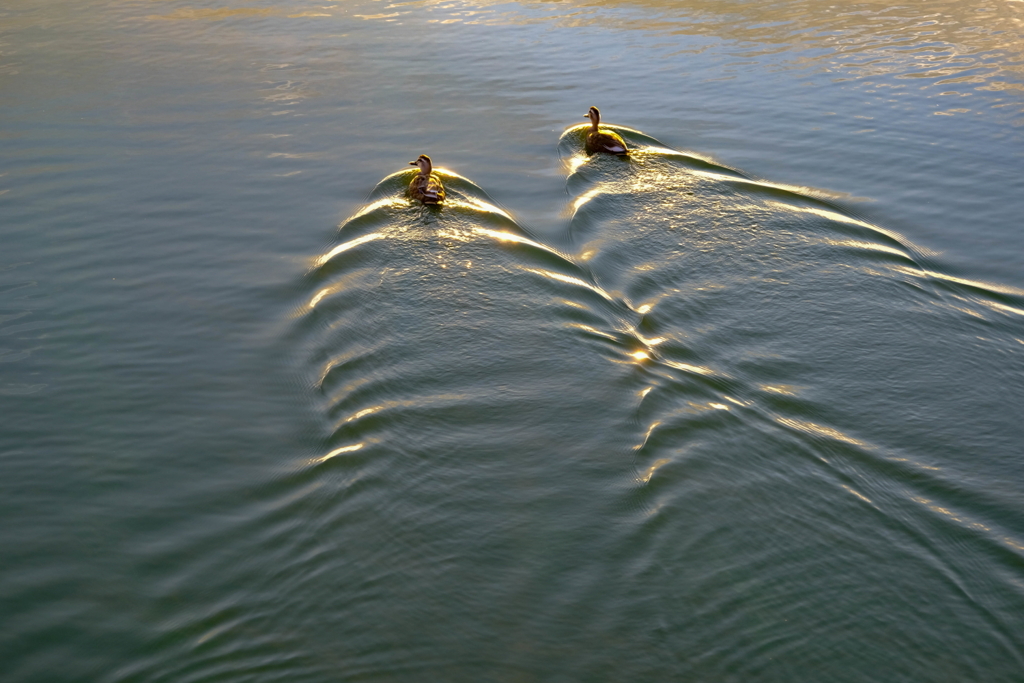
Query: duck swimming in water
{"x": 426, "y": 185}
{"x": 608, "y": 142}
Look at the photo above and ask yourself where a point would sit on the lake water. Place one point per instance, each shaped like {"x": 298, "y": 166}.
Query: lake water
{"x": 746, "y": 406}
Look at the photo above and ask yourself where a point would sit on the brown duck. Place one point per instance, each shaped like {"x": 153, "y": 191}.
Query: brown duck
{"x": 426, "y": 185}
{"x": 608, "y": 142}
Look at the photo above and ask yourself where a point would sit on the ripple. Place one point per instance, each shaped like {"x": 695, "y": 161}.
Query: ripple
{"x": 777, "y": 312}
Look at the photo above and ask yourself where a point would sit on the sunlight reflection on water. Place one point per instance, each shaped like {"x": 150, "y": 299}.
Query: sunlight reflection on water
{"x": 650, "y": 420}
{"x": 955, "y": 45}
{"x": 952, "y": 45}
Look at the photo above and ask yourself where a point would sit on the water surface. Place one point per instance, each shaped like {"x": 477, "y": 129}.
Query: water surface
{"x": 742, "y": 407}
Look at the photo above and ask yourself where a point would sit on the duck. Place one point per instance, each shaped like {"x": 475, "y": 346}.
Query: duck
{"x": 426, "y": 185}
{"x": 608, "y": 142}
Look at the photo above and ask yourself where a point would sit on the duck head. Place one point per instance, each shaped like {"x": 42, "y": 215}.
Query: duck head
{"x": 424, "y": 164}
{"x": 595, "y": 117}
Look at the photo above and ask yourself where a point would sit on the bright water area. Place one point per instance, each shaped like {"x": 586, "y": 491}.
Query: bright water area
{"x": 743, "y": 407}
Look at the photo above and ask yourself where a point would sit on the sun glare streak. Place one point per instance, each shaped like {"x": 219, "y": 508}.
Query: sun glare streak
{"x": 651, "y": 342}
{"x": 584, "y": 198}
{"x": 711, "y": 175}
{"x": 686, "y": 367}
{"x": 363, "y": 413}
{"x": 575, "y": 161}
{"x": 372, "y": 17}
{"x": 486, "y": 207}
{"x": 1003, "y": 308}
{"x": 390, "y": 201}
{"x": 969, "y": 523}
{"x": 647, "y": 435}
{"x": 336, "y": 452}
{"x": 830, "y": 215}
{"x": 868, "y": 246}
{"x": 570, "y": 280}
{"x": 858, "y": 494}
{"x": 819, "y": 430}
{"x": 345, "y": 246}
{"x": 319, "y": 295}
{"x": 999, "y": 289}
{"x": 519, "y": 239}
{"x": 784, "y": 389}
{"x": 592, "y": 330}
{"x": 645, "y": 478}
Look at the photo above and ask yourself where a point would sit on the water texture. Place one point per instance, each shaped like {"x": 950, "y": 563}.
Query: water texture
{"x": 741, "y": 407}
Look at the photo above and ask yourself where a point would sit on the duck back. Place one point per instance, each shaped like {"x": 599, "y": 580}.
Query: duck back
{"x": 607, "y": 142}
{"x": 427, "y": 189}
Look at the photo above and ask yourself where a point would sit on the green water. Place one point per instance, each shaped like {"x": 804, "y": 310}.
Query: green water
{"x": 742, "y": 407}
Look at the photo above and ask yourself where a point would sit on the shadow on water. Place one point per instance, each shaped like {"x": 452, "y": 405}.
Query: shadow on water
{"x": 699, "y": 424}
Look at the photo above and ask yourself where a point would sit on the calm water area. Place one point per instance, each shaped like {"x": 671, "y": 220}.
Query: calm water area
{"x": 744, "y": 407}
